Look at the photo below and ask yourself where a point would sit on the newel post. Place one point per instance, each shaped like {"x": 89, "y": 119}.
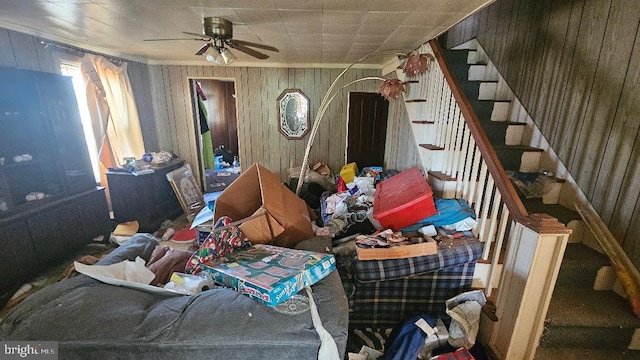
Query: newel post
{"x": 529, "y": 274}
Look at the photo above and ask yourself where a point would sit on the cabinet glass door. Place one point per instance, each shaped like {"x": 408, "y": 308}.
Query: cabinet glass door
{"x": 66, "y": 128}
{"x": 28, "y": 170}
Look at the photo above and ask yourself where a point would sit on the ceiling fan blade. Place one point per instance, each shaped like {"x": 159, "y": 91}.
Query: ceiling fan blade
{"x": 259, "y": 46}
{"x": 203, "y": 49}
{"x": 202, "y": 36}
{"x": 170, "y": 39}
{"x": 247, "y": 50}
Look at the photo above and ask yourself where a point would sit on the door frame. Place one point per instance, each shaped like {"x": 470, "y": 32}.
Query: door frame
{"x": 201, "y": 176}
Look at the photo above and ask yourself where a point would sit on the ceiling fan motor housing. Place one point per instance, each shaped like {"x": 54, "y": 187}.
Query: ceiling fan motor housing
{"x": 218, "y": 28}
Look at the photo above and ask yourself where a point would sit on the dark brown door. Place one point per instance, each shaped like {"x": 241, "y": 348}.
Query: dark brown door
{"x": 367, "y": 129}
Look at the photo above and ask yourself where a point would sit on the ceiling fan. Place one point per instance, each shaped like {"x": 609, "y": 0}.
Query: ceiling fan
{"x": 218, "y": 35}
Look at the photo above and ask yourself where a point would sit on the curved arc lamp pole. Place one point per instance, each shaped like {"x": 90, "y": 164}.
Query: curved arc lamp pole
{"x": 326, "y": 100}
{"x": 316, "y": 125}
{"x": 335, "y": 81}
{"x": 417, "y": 65}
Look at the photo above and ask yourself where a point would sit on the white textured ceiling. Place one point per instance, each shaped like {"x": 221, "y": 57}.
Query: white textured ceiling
{"x": 319, "y": 32}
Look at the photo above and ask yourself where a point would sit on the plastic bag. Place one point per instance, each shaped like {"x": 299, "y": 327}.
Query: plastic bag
{"x": 465, "y": 310}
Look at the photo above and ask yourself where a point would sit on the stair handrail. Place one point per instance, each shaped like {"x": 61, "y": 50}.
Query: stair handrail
{"x": 517, "y": 210}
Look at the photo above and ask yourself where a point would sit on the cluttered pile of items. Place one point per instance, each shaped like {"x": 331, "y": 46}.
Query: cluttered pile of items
{"x": 389, "y": 214}
{"x": 259, "y": 270}
{"x": 400, "y": 252}
{"x": 256, "y": 219}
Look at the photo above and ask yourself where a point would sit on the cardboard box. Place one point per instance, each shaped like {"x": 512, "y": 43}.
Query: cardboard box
{"x": 429, "y": 247}
{"x": 271, "y": 274}
{"x": 285, "y": 221}
{"x": 322, "y": 169}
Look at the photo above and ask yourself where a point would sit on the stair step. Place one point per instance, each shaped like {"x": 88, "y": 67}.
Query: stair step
{"x": 511, "y": 157}
{"x": 433, "y": 157}
{"x": 473, "y": 57}
{"x": 476, "y": 72}
{"x": 443, "y": 185}
{"x": 417, "y": 110}
{"x": 580, "y": 266}
{"x": 585, "y": 318}
{"x": 413, "y": 90}
{"x": 563, "y": 214}
{"x": 473, "y": 87}
{"x": 423, "y": 131}
{"x": 431, "y": 147}
{"x": 460, "y": 71}
{"x": 584, "y": 354}
{"x": 487, "y": 90}
{"x": 491, "y": 110}
{"x": 441, "y": 176}
{"x": 423, "y": 122}
{"x": 501, "y": 109}
{"x": 503, "y": 132}
{"x": 482, "y": 108}
{"x": 457, "y": 56}
{"x": 479, "y": 90}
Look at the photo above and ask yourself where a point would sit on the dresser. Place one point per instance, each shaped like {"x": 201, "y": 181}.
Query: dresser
{"x": 147, "y": 198}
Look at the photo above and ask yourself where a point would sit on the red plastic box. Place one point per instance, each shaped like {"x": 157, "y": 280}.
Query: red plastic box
{"x": 403, "y": 200}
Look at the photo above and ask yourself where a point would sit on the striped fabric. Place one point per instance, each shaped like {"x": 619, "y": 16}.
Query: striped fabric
{"x": 382, "y": 293}
{"x": 373, "y": 338}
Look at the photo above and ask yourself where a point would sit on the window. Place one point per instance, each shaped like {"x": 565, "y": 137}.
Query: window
{"x": 72, "y": 69}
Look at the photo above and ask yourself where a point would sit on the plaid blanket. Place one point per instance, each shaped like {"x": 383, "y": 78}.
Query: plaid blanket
{"x": 450, "y": 252}
{"x": 382, "y": 293}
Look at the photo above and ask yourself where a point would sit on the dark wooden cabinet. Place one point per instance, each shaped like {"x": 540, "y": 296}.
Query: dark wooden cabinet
{"x": 17, "y": 258}
{"x": 37, "y": 238}
{"x": 49, "y": 202}
{"x": 147, "y": 198}
{"x": 42, "y": 144}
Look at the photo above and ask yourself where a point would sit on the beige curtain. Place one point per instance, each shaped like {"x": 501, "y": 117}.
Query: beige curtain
{"x": 114, "y": 115}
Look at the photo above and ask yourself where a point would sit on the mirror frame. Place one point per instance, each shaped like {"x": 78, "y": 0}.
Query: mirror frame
{"x": 288, "y": 126}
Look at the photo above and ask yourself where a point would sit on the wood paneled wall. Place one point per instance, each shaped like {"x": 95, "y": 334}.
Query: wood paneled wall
{"x": 401, "y": 149}
{"x": 256, "y": 92}
{"x": 575, "y": 65}
{"x": 25, "y": 52}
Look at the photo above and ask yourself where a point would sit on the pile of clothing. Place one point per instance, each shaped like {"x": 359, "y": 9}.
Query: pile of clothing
{"x": 341, "y": 211}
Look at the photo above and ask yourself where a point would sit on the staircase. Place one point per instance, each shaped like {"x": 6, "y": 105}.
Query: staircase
{"x": 586, "y": 318}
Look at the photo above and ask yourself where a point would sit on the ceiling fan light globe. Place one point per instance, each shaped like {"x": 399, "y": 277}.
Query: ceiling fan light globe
{"x": 213, "y": 56}
{"x": 210, "y": 58}
{"x": 227, "y": 56}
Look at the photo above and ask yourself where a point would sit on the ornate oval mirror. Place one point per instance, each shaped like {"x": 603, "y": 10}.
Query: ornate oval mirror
{"x": 293, "y": 113}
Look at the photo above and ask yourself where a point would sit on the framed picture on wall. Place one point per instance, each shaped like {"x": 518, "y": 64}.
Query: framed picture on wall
{"x": 293, "y": 114}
